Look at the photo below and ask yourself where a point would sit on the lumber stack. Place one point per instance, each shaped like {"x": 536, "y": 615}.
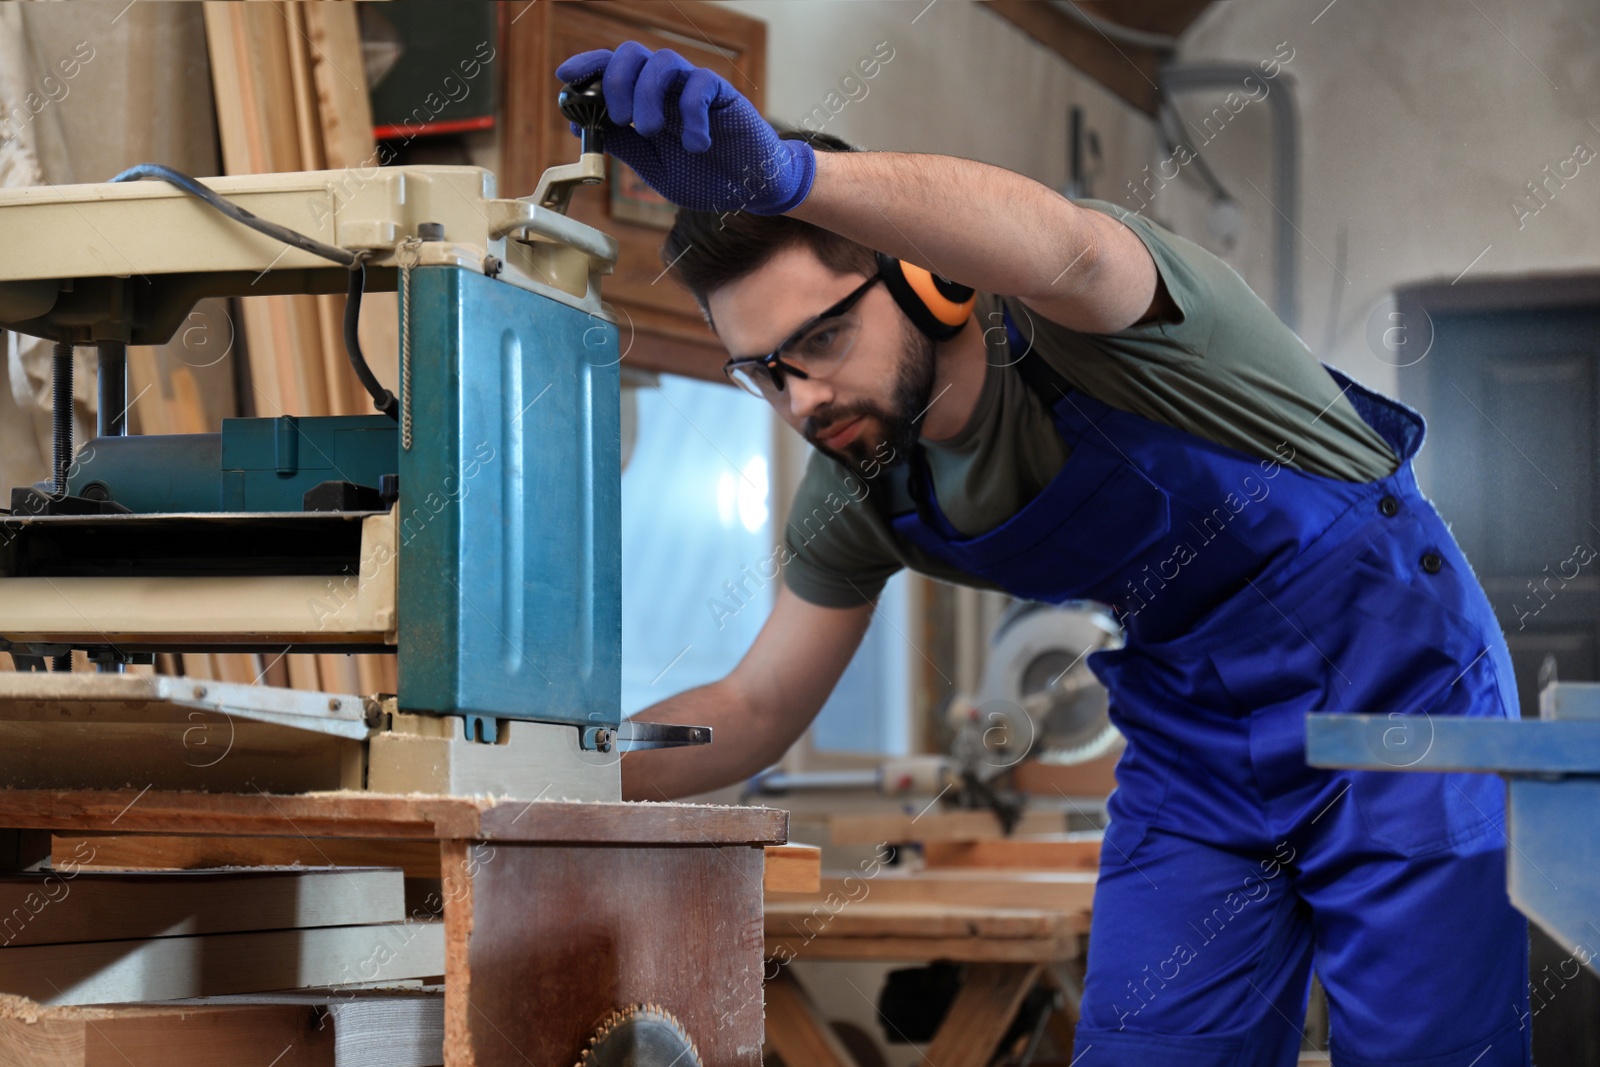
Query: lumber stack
{"x": 958, "y": 886}
{"x": 291, "y": 94}
{"x": 350, "y": 1028}
{"x": 224, "y": 963}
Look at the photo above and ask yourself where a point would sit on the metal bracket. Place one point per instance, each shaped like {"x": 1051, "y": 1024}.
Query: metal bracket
{"x": 484, "y": 729}
{"x": 635, "y": 736}
{"x": 1541, "y": 748}
{"x": 338, "y": 714}
{"x": 554, "y": 190}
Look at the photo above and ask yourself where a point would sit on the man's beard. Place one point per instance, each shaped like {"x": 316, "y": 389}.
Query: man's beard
{"x": 913, "y": 392}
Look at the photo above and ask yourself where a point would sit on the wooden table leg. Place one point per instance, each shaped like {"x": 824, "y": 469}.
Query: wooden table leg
{"x": 982, "y": 1012}
{"x": 1063, "y": 1022}
{"x": 796, "y": 1032}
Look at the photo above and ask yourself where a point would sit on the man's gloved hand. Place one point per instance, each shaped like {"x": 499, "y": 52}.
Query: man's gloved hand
{"x": 693, "y": 137}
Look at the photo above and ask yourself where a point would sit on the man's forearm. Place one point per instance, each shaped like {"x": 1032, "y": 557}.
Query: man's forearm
{"x": 989, "y": 228}
{"x": 981, "y": 225}
{"x": 741, "y": 744}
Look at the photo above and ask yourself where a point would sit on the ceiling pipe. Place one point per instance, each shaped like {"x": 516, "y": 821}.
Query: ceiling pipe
{"x": 1158, "y": 42}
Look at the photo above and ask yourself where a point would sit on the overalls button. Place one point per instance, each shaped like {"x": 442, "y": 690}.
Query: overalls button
{"x": 1432, "y": 562}
{"x": 1388, "y": 507}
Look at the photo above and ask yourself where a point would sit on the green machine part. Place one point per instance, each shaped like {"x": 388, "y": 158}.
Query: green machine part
{"x": 510, "y": 514}
{"x": 253, "y": 465}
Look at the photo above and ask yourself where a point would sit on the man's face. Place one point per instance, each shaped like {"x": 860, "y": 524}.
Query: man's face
{"x": 880, "y": 389}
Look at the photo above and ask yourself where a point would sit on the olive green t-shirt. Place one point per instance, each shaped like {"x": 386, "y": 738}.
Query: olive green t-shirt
{"x": 1224, "y": 369}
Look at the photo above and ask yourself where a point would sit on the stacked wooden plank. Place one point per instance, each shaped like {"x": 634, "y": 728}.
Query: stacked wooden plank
{"x": 269, "y": 956}
{"x": 787, "y": 868}
{"x": 365, "y": 1028}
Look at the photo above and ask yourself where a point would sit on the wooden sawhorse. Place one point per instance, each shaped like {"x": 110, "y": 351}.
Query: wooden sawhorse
{"x": 1008, "y": 951}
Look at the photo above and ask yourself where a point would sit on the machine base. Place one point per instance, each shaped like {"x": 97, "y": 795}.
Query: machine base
{"x": 111, "y": 731}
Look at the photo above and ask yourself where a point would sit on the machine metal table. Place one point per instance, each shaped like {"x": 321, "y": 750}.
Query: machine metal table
{"x": 1552, "y": 770}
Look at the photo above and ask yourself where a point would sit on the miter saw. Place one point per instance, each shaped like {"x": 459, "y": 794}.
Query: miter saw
{"x": 1036, "y": 700}
{"x": 1037, "y": 697}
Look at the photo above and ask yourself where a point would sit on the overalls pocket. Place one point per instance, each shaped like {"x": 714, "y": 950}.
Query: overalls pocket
{"x": 1371, "y": 641}
{"x": 1120, "y": 842}
{"x": 1404, "y": 653}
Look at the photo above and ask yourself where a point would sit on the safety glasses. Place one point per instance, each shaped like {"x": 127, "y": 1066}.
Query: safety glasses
{"x": 813, "y": 351}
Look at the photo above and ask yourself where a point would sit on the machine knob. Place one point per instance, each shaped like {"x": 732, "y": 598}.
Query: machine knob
{"x": 583, "y": 103}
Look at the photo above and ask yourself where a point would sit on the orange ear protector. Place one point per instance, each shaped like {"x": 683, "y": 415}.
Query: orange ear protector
{"x": 936, "y": 306}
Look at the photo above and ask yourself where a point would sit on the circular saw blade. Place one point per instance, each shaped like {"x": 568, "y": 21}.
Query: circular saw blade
{"x": 1038, "y": 660}
{"x": 641, "y": 1035}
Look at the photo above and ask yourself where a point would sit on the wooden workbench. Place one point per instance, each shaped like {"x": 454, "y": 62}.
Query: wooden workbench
{"x": 555, "y": 913}
{"x": 1014, "y": 911}
{"x": 1007, "y": 950}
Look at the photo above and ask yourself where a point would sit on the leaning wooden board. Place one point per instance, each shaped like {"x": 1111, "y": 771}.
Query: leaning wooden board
{"x": 290, "y": 92}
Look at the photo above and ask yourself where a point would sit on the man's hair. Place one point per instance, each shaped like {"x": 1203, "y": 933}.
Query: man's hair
{"x": 708, "y": 249}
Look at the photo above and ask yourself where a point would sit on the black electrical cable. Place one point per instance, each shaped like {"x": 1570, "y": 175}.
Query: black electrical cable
{"x": 382, "y": 399}
{"x": 342, "y": 256}
{"x": 355, "y": 262}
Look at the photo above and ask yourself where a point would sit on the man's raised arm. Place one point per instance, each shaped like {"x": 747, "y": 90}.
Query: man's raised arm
{"x": 697, "y": 141}
{"x": 989, "y": 228}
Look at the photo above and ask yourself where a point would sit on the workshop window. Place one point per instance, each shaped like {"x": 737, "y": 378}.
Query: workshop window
{"x": 696, "y": 533}
{"x": 870, "y": 709}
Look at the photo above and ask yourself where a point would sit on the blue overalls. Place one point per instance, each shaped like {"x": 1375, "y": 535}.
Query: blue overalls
{"x": 1252, "y": 593}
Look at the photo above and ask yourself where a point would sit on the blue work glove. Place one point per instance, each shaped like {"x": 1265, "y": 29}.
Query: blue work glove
{"x": 694, "y": 138}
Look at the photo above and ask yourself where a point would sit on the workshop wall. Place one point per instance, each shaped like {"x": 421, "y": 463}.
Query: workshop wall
{"x": 1422, "y": 125}
{"x": 952, "y": 78}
